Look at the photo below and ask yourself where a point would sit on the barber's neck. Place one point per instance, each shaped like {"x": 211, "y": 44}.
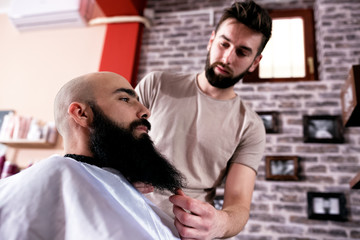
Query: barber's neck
{"x": 213, "y": 92}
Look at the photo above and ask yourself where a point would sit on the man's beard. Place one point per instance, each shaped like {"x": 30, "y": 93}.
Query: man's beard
{"x": 220, "y": 81}
{"x": 136, "y": 158}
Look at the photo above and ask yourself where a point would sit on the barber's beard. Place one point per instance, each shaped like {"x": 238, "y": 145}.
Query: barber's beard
{"x": 220, "y": 81}
{"x": 135, "y": 157}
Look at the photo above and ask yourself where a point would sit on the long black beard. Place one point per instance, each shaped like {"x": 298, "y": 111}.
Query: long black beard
{"x": 219, "y": 81}
{"x": 136, "y": 158}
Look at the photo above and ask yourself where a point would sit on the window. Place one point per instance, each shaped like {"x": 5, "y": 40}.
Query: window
{"x": 290, "y": 53}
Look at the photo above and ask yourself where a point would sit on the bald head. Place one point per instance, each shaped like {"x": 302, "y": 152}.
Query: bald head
{"x": 82, "y": 89}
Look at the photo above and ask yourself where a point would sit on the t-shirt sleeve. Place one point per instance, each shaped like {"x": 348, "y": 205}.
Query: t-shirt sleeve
{"x": 146, "y": 88}
{"x": 252, "y": 145}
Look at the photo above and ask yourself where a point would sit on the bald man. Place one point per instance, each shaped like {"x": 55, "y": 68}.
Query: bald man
{"x": 87, "y": 193}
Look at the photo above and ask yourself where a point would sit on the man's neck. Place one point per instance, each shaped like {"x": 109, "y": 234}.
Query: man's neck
{"x": 85, "y": 159}
{"x": 213, "y": 92}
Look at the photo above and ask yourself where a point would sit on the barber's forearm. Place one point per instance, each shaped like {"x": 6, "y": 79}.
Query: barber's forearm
{"x": 233, "y": 220}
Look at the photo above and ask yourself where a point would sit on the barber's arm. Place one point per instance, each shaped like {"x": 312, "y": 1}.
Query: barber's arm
{"x": 195, "y": 219}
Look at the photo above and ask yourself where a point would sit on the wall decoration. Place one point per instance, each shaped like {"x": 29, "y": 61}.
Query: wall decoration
{"x": 323, "y": 129}
{"x": 271, "y": 121}
{"x": 283, "y": 168}
{"x": 350, "y": 98}
{"x": 327, "y": 206}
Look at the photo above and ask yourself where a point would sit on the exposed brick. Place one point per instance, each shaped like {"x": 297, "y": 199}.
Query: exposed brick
{"x": 332, "y": 232}
{"x": 348, "y": 169}
{"x": 267, "y": 217}
{"x": 260, "y": 207}
{"x": 321, "y": 104}
{"x": 319, "y": 179}
{"x": 178, "y": 42}
{"x": 289, "y": 139}
{"x": 285, "y": 229}
{"x": 319, "y": 169}
{"x": 288, "y": 208}
{"x": 289, "y": 198}
{"x": 296, "y": 238}
{"x": 254, "y": 228}
{"x": 355, "y": 234}
{"x": 318, "y": 149}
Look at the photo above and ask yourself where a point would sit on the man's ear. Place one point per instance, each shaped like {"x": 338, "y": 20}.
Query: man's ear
{"x": 211, "y": 40}
{"x": 80, "y": 113}
{"x": 255, "y": 63}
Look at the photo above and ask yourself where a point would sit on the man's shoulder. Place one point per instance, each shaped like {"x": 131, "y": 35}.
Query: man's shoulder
{"x": 57, "y": 161}
{"x": 53, "y": 166}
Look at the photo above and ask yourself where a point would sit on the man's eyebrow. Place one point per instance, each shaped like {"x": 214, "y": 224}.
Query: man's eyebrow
{"x": 237, "y": 48}
{"x": 129, "y": 91}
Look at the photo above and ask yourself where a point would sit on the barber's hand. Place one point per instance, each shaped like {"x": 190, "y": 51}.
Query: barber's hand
{"x": 195, "y": 219}
{"x": 143, "y": 188}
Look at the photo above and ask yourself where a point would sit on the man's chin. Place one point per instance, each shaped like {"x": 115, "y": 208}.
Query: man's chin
{"x": 141, "y": 135}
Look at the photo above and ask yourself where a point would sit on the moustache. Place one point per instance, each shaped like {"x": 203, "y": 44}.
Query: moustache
{"x": 226, "y": 67}
{"x": 140, "y": 122}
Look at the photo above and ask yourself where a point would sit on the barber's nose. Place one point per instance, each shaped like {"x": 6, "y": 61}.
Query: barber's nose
{"x": 227, "y": 56}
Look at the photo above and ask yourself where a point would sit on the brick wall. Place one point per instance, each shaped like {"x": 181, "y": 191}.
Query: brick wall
{"x": 177, "y": 42}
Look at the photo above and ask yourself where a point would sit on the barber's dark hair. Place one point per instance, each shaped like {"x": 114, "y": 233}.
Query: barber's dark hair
{"x": 251, "y": 15}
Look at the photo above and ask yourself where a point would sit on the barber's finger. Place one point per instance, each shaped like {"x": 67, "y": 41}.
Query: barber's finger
{"x": 187, "y": 218}
{"x": 180, "y": 192}
{"x": 185, "y": 232}
{"x": 194, "y": 206}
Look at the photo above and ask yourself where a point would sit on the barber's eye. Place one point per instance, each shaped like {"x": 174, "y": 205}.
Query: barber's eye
{"x": 124, "y": 99}
{"x": 224, "y": 44}
{"x": 240, "y": 53}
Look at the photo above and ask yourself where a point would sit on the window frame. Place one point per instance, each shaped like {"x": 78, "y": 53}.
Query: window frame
{"x": 311, "y": 73}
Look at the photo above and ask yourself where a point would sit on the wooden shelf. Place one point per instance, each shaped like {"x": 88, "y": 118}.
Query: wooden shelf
{"x": 355, "y": 182}
{"x": 23, "y": 143}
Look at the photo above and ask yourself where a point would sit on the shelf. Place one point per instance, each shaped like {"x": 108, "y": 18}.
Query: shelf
{"x": 23, "y": 143}
{"x": 355, "y": 182}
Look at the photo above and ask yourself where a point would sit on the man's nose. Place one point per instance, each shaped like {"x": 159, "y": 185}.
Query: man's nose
{"x": 143, "y": 112}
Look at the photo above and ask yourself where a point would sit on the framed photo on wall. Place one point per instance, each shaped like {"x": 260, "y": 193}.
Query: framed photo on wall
{"x": 350, "y": 98}
{"x": 323, "y": 129}
{"x": 282, "y": 168}
{"x": 327, "y": 206}
{"x": 271, "y": 121}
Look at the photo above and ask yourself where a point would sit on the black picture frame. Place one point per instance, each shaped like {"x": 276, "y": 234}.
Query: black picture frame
{"x": 270, "y": 120}
{"x": 282, "y": 168}
{"x": 323, "y": 129}
{"x": 327, "y": 206}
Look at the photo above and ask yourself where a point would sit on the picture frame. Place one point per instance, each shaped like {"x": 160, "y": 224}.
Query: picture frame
{"x": 327, "y": 206}
{"x": 282, "y": 168}
{"x": 350, "y": 98}
{"x": 323, "y": 129}
{"x": 270, "y": 120}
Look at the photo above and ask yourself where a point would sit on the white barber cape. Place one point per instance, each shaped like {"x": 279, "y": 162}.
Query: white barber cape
{"x": 60, "y": 198}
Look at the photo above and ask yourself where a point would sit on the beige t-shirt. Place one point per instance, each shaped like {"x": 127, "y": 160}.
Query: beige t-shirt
{"x": 198, "y": 134}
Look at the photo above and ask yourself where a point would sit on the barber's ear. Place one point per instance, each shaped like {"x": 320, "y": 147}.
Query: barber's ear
{"x": 211, "y": 40}
{"x": 255, "y": 63}
{"x": 80, "y": 113}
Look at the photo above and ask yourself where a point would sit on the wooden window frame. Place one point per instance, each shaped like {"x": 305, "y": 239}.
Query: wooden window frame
{"x": 309, "y": 46}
